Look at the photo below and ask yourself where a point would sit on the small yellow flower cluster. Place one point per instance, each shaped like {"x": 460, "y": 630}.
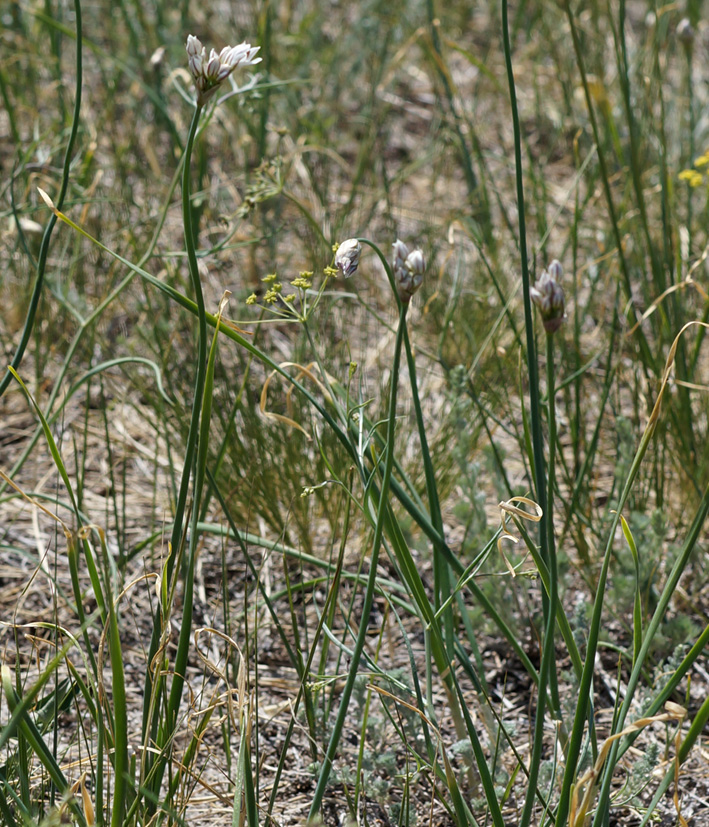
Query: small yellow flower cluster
{"x": 304, "y": 280}
{"x": 694, "y": 176}
{"x": 274, "y": 289}
{"x": 273, "y": 292}
{"x": 298, "y": 305}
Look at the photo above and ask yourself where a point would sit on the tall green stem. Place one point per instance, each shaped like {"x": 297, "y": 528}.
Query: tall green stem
{"x": 548, "y": 665}
{"x": 547, "y": 669}
{"x": 178, "y": 526}
{"x": 551, "y": 542}
{"x": 178, "y": 529}
{"x": 371, "y": 580}
{"x": 532, "y": 369}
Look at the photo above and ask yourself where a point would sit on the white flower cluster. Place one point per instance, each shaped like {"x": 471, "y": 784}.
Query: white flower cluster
{"x": 409, "y": 268}
{"x": 209, "y": 72}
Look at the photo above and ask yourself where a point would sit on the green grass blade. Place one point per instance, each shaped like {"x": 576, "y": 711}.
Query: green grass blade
{"x": 47, "y": 237}
{"x": 369, "y": 593}
{"x": 28, "y": 728}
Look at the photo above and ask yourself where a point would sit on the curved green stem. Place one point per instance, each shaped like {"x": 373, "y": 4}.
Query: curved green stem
{"x": 95, "y": 314}
{"x": 46, "y": 238}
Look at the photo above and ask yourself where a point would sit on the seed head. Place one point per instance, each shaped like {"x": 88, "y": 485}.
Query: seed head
{"x": 209, "y": 72}
{"x": 548, "y": 295}
{"x": 347, "y": 257}
{"x": 409, "y": 268}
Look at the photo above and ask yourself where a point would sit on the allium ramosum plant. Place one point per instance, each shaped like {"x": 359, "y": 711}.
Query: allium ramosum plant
{"x": 337, "y": 557}
{"x": 208, "y": 75}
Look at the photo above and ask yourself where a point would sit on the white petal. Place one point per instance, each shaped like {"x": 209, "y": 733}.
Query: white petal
{"x": 194, "y": 46}
{"x": 196, "y": 65}
{"x": 415, "y": 262}
{"x": 211, "y": 70}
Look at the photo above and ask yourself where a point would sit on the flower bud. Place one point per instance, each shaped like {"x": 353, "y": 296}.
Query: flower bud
{"x": 548, "y": 295}
{"x": 555, "y": 270}
{"x": 194, "y": 46}
{"x": 400, "y": 253}
{"x": 409, "y": 268}
{"x": 211, "y": 70}
{"x": 157, "y": 57}
{"x": 685, "y": 33}
{"x": 347, "y": 257}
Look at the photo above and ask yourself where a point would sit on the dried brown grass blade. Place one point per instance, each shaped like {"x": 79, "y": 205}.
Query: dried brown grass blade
{"x": 509, "y": 509}
{"x": 587, "y": 782}
{"x": 303, "y": 370}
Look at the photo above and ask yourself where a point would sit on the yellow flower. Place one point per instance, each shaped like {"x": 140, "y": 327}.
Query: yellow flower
{"x": 692, "y": 177}
{"x": 301, "y": 283}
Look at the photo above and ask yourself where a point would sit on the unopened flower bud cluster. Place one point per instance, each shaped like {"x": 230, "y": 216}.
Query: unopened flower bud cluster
{"x": 347, "y": 257}
{"x": 548, "y": 295}
{"x": 685, "y": 33}
{"x": 209, "y": 72}
{"x": 409, "y": 267}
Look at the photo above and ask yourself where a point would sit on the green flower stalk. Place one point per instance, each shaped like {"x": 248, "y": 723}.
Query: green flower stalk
{"x": 208, "y": 74}
{"x": 548, "y": 295}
